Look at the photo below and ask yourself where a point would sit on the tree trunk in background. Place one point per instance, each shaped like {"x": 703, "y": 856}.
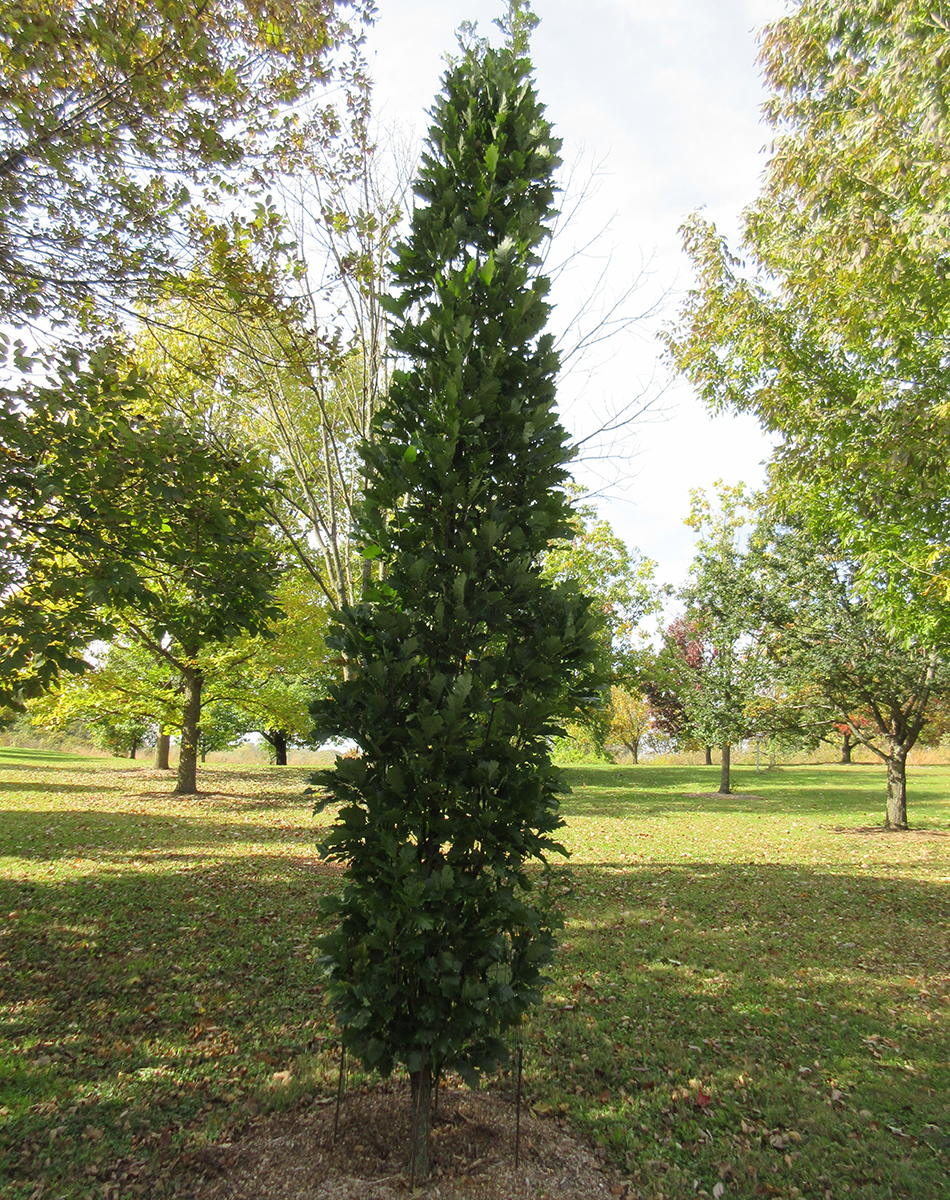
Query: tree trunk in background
{"x": 162, "y": 746}
{"x": 846, "y": 748}
{"x": 709, "y": 756}
{"x": 897, "y": 789}
{"x": 133, "y": 747}
{"x": 187, "y": 782}
{"x": 724, "y": 781}
{"x": 278, "y": 739}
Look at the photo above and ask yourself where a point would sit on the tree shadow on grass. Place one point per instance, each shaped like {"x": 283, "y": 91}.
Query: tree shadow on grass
{"x": 47, "y": 835}
{"x": 14, "y": 758}
{"x": 144, "y": 1004}
{"x": 157, "y": 1007}
{"x": 785, "y": 998}
{"x": 643, "y": 792}
{"x": 55, "y": 787}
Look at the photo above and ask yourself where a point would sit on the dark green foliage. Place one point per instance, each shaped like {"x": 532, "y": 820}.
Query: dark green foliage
{"x": 463, "y": 659}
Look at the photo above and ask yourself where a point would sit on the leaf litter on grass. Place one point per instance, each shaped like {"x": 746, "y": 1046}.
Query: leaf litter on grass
{"x": 767, "y": 1015}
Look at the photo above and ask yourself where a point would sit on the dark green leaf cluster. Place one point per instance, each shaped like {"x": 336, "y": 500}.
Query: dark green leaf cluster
{"x": 463, "y": 659}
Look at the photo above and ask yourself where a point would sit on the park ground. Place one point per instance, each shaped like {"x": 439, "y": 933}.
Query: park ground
{"x": 751, "y": 995}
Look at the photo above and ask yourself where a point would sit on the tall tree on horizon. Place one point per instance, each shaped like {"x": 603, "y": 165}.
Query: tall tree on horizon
{"x": 463, "y": 658}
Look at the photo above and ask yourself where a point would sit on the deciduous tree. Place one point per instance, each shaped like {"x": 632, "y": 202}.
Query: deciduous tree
{"x": 826, "y": 633}
{"x": 108, "y": 512}
{"x": 464, "y": 657}
{"x": 115, "y": 113}
{"x": 831, "y": 321}
{"x": 716, "y": 643}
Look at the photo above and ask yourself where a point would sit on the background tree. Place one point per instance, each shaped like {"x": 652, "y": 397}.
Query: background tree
{"x": 113, "y": 111}
{"x": 619, "y": 578}
{"x": 631, "y": 718}
{"x": 716, "y": 643}
{"x": 833, "y": 327}
{"x": 123, "y": 698}
{"x": 621, "y": 583}
{"x": 464, "y": 657}
{"x": 281, "y": 336}
{"x": 108, "y": 513}
{"x": 827, "y": 633}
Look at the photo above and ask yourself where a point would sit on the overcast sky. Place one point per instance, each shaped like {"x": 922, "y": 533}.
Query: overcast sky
{"x": 664, "y": 96}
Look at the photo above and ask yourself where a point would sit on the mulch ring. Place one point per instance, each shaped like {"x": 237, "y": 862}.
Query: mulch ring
{"x": 292, "y": 1155}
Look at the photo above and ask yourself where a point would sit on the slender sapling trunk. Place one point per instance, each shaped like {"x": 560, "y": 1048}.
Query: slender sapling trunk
{"x": 421, "y": 1085}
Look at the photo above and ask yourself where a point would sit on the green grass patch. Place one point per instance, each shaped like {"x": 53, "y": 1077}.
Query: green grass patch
{"x": 752, "y": 991}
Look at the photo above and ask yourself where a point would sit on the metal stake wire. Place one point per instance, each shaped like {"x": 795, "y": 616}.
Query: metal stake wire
{"x": 339, "y": 1089}
{"x": 518, "y": 1109}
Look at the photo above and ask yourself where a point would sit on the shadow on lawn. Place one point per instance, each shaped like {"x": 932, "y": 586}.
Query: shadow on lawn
{"x": 800, "y": 999}
{"x": 603, "y": 791}
{"x": 142, "y": 1003}
{"x": 149, "y": 1006}
{"x": 45, "y": 835}
{"x": 49, "y": 760}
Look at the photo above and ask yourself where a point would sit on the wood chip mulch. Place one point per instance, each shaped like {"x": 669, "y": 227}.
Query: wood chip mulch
{"x": 292, "y": 1155}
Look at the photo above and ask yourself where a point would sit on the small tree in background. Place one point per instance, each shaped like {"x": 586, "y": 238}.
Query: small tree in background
{"x": 631, "y": 718}
{"x": 463, "y": 659}
{"x": 723, "y": 669}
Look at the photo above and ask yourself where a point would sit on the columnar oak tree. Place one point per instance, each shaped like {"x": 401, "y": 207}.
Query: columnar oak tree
{"x": 463, "y": 658}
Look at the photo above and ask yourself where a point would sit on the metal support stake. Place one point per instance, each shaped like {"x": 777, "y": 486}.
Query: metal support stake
{"x": 518, "y": 1109}
{"x": 339, "y": 1089}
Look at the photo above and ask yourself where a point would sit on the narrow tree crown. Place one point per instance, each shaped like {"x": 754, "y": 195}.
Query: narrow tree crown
{"x": 463, "y": 659}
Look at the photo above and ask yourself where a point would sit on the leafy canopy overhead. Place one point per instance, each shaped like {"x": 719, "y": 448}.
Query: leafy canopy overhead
{"x": 112, "y": 112}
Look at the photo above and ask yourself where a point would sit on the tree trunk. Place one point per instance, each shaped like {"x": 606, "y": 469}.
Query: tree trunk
{"x": 133, "y": 747}
{"x": 421, "y": 1084}
{"x": 724, "y": 781}
{"x": 846, "y": 748}
{"x": 162, "y": 746}
{"x": 278, "y": 739}
{"x": 187, "y": 782}
{"x": 896, "y": 790}
{"x": 709, "y": 756}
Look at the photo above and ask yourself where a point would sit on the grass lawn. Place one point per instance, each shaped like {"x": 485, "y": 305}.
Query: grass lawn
{"x": 751, "y": 997}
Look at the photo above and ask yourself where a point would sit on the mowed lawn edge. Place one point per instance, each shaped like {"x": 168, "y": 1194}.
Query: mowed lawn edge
{"x": 750, "y": 998}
